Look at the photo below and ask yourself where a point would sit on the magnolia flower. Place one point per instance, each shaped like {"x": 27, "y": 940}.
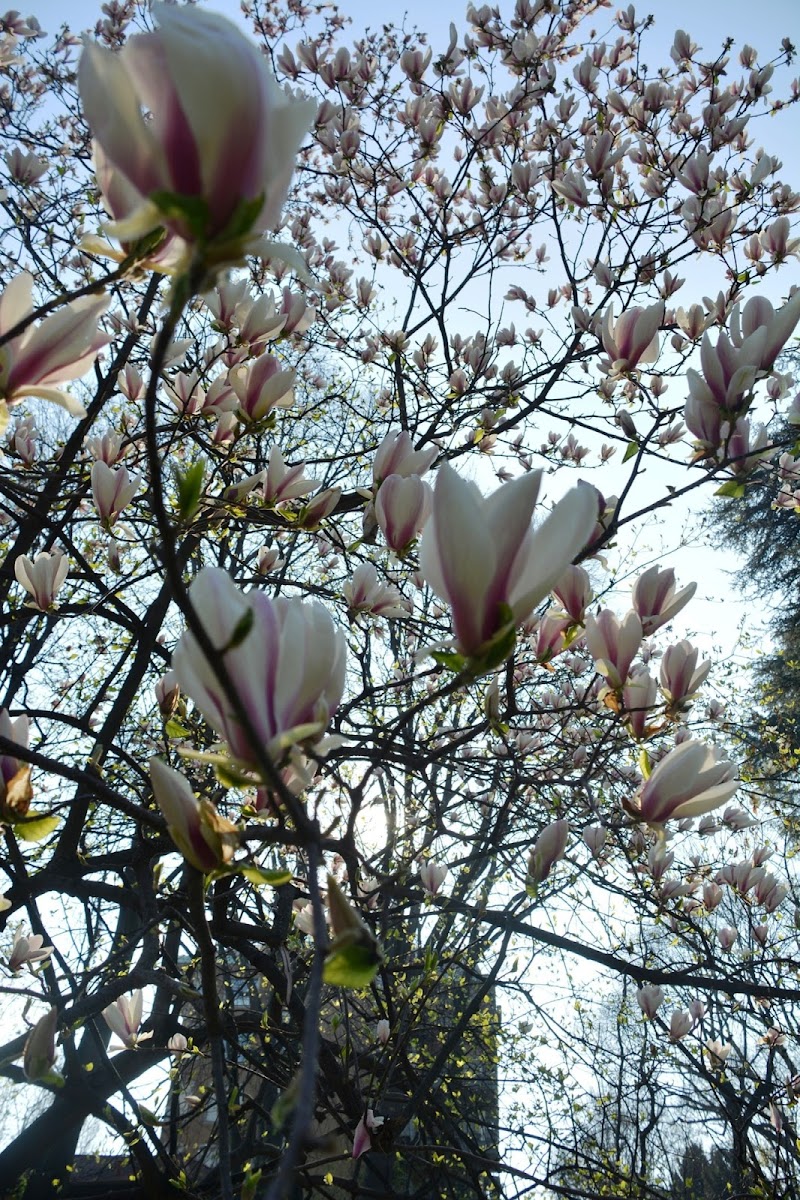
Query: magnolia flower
{"x": 551, "y": 636}
{"x": 717, "y": 1053}
{"x": 727, "y": 936}
{"x": 60, "y": 348}
{"x": 365, "y": 593}
{"x": 574, "y": 593}
{"x": 106, "y": 448}
{"x": 382, "y": 1031}
{"x": 27, "y": 949}
{"x": 402, "y": 507}
{"x": 362, "y": 1140}
{"x": 680, "y": 1023}
{"x": 204, "y": 838}
{"x": 482, "y": 556}
{"x": 282, "y": 482}
{"x": 124, "y": 1017}
{"x": 432, "y": 875}
{"x": 650, "y": 998}
{"x": 680, "y": 675}
{"x": 269, "y": 560}
{"x": 112, "y": 489}
{"x": 654, "y": 598}
{"x": 304, "y": 917}
{"x": 319, "y": 507}
{"x": 638, "y": 696}
{"x": 285, "y": 658}
{"x": 26, "y": 168}
{"x": 213, "y": 160}
{"x": 396, "y": 456}
{"x": 595, "y": 838}
{"x": 167, "y": 694}
{"x": 613, "y": 644}
{"x": 260, "y": 387}
{"x": 759, "y": 332}
{"x": 633, "y": 338}
{"x": 549, "y": 847}
{"x": 691, "y": 780}
{"x": 42, "y": 577}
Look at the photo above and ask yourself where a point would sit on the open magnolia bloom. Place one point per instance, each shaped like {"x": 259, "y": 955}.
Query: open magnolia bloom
{"x": 484, "y": 558}
{"x": 60, "y": 348}
{"x": 286, "y": 660}
{"x": 691, "y": 780}
{"x": 212, "y": 161}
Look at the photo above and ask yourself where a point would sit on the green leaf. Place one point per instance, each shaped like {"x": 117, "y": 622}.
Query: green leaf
{"x": 175, "y": 729}
{"x": 192, "y": 211}
{"x": 243, "y": 627}
{"x": 35, "y": 828}
{"x": 496, "y": 650}
{"x": 645, "y": 766}
{"x": 631, "y": 449}
{"x": 190, "y": 488}
{"x": 450, "y": 659}
{"x": 259, "y": 875}
{"x": 733, "y": 488}
{"x": 352, "y": 966}
{"x": 228, "y": 775}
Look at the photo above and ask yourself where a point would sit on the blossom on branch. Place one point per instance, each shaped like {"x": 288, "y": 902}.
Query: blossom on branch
{"x": 204, "y": 838}
{"x": 402, "y": 508}
{"x": 15, "y": 775}
{"x": 124, "y": 1017}
{"x": 286, "y": 660}
{"x": 484, "y": 558}
{"x": 39, "y": 1055}
{"x": 42, "y": 577}
{"x": 396, "y": 456}
{"x": 112, "y": 490}
{"x": 613, "y": 644}
{"x": 213, "y": 162}
{"x": 691, "y": 780}
{"x": 631, "y": 340}
{"x": 362, "y": 1140}
{"x": 655, "y": 600}
{"x": 60, "y": 348}
{"x": 365, "y": 593}
{"x": 27, "y": 949}
{"x": 549, "y": 848}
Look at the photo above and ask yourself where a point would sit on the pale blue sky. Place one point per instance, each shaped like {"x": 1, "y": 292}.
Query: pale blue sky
{"x": 762, "y": 24}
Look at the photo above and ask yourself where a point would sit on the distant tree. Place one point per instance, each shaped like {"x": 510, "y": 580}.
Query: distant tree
{"x": 706, "y": 1175}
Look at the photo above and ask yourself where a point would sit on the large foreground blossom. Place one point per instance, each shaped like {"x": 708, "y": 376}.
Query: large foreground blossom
{"x": 286, "y": 660}
{"x": 213, "y": 159}
{"x": 484, "y": 558}
{"x": 59, "y": 349}
{"x": 691, "y": 780}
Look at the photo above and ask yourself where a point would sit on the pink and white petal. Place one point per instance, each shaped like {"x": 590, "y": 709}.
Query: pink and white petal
{"x": 552, "y": 547}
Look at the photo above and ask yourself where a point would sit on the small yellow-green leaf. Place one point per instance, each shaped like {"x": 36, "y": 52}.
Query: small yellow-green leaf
{"x": 631, "y": 449}
{"x": 450, "y": 659}
{"x": 734, "y": 488}
{"x": 260, "y": 875}
{"x": 175, "y": 729}
{"x": 35, "y": 829}
{"x": 352, "y": 966}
